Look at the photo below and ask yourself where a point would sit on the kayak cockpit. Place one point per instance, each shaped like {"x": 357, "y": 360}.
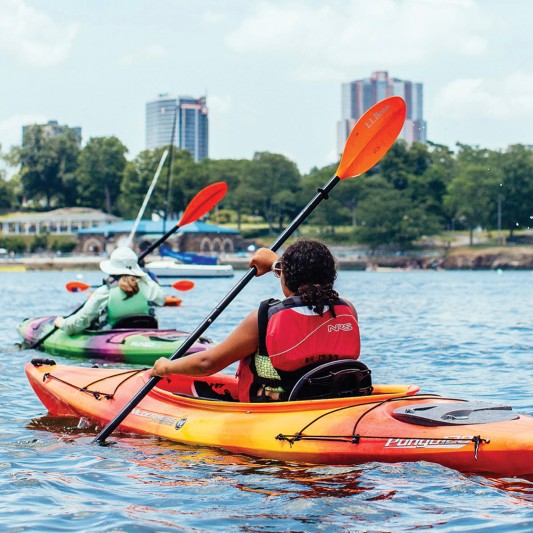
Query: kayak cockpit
{"x": 322, "y": 383}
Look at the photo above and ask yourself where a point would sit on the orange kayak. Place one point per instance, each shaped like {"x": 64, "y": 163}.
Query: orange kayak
{"x": 172, "y": 301}
{"x": 393, "y": 424}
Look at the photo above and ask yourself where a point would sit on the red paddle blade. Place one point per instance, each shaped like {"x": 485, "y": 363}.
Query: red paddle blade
{"x": 203, "y": 202}
{"x": 183, "y": 285}
{"x": 372, "y": 136}
{"x": 77, "y": 286}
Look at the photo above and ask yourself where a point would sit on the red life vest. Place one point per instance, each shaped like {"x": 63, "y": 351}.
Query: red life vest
{"x": 296, "y": 339}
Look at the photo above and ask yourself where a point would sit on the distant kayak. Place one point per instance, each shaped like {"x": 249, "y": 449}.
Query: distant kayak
{"x": 392, "y": 424}
{"x": 172, "y": 301}
{"x": 136, "y": 346}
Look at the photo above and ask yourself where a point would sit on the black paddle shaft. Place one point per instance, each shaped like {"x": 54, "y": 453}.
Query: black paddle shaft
{"x": 154, "y": 245}
{"x": 322, "y": 194}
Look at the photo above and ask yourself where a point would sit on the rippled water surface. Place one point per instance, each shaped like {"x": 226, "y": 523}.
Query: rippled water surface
{"x": 461, "y": 334}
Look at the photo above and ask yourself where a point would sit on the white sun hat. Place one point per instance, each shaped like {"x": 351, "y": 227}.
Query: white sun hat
{"x": 122, "y": 261}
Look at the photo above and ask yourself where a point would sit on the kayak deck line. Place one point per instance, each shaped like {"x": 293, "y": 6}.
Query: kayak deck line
{"x": 417, "y": 441}
{"x": 96, "y": 394}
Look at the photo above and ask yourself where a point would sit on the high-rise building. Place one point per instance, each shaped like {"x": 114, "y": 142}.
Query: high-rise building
{"x": 53, "y": 128}
{"x": 360, "y": 95}
{"x": 181, "y": 121}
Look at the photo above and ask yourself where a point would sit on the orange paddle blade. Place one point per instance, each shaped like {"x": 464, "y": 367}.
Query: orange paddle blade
{"x": 372, "y": 136}
{"x": 183, "y": 285}
{"x": 203, "y": 202}
{"x": 77, "y": 286}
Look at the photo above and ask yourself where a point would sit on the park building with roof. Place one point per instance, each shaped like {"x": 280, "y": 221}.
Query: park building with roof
{"x": 99, "y": 233}
{"x": 196, "y": 237}
{"x": 57, "y": 222}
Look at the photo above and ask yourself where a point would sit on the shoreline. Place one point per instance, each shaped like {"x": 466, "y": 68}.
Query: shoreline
{"x": 495, "y": 258}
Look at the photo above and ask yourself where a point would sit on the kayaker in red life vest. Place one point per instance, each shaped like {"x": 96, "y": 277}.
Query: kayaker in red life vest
{"x": 277, "y": 343}
{"x": 129, "y": 291}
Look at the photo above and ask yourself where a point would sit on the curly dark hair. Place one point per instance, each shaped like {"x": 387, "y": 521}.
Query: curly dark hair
{"x": 309, "y": 271}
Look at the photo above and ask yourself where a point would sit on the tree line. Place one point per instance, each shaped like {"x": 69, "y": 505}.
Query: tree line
{"x": 415, "y": 191}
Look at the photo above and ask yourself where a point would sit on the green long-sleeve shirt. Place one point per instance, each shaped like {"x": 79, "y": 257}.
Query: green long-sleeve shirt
{"x": 96, "y": 306}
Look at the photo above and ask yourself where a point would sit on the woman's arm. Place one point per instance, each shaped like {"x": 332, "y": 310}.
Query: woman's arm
{"x": 85, "y": 316}
{"x": 152, "y": 290}
{"x": 240, "y": 343}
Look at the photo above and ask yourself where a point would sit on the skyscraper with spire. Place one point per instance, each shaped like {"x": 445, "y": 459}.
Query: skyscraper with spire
{"x": 360, "y": 95}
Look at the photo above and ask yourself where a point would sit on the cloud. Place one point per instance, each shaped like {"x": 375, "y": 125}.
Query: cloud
{"x": 500, "y": 99}
{"x": 218, "y": 104}
{"x": 11, "y": 129}
{"x": 329, "y": 38}
{"x": 152, "y": 52}
{"x": 32, "y": 37}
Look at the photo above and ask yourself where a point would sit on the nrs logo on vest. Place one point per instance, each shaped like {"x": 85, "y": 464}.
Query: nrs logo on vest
{"x": 340, "y": 327}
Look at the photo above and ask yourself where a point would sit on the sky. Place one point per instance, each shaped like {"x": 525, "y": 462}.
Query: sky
{"x": 272, "y": 70}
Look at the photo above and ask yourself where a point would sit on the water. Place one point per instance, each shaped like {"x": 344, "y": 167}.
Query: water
{"x": 461, "y": 334}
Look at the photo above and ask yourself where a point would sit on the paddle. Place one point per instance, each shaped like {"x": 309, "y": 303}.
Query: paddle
{"x": 203, "y": 202}
{"x": 78, "y": 286}
{"x": 369, "y": 140}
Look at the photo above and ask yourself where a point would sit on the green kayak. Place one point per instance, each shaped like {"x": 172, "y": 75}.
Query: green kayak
{"x": 136, "y": 346}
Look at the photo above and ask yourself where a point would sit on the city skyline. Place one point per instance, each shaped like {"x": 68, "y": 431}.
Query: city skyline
{"x": 272, "y": 73}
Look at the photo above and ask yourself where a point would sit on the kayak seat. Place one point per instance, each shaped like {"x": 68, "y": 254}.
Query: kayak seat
{"x": 336, "y": 379}
{"x": 137, "y": 322}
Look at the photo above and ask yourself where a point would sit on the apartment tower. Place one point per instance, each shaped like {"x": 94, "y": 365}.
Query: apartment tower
{"x": 360, "y": 95}
{"x": 181, "y": 121}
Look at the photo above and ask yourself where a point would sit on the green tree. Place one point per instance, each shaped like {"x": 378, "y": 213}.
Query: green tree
{"x": 47, "y": 165}
{"x": 388, "y": 217}
{"x": 471, "y": 197}
{"x": 138, "y": 177}
{"x": 101, "y": 169}
{"x": 233, "y": 172}
{"x": 188, "y": 177}
{"x": 428, "y": 187}
{"x": 337, "y": 210}
{"x": 7, "y": 192}
{"x": 516, "y": 188}
{"x": 273, "y": 181}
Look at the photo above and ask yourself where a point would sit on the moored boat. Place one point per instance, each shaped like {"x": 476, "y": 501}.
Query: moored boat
{"x": 170, "y": 268}
{"x": 135, "y": 346}
{"x": 393, "y": 424}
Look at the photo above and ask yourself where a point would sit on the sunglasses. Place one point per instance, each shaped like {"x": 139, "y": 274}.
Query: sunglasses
{"x": 277, "y": 268}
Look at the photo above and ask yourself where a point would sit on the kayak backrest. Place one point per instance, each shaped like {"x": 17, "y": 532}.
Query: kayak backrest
{"x": 137, "y": 322}
{"x": 336, "y": 379}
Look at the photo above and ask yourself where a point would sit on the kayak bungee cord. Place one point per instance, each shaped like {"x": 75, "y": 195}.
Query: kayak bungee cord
{"x": 355, "y": 438}
{"x": 96, "y": 394}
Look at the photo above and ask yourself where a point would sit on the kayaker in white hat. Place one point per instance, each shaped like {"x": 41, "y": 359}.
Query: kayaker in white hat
{"x": 128, "y": 291}
{"x": 282, "y": 340}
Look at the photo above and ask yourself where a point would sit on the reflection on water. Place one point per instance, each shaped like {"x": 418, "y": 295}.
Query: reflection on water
{"x": 460, "y": 334}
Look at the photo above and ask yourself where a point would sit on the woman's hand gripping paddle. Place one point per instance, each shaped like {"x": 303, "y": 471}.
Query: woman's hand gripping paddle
{"x": 202, "y": 203}
{"x": 371, "y": 137}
